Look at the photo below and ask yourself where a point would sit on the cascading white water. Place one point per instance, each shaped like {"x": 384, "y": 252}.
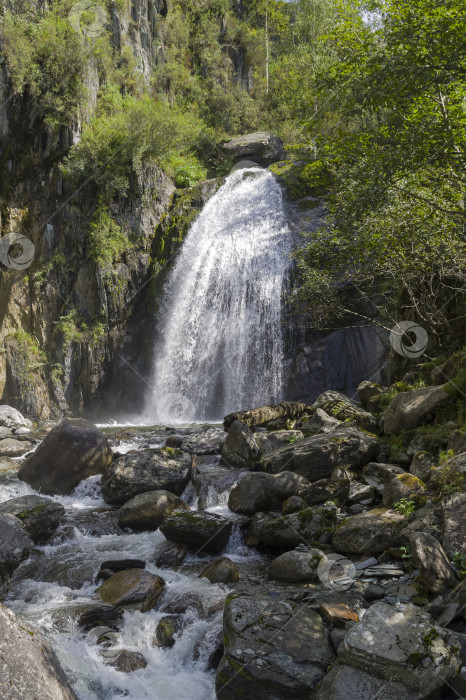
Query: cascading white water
{"x": 221, "y": 345}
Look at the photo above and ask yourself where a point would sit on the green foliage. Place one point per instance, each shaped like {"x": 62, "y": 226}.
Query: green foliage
{"x": 185, "y": 170}
{"x": 459, "y": 560}
{"x": 405, "y": 507}
{"x": 106, "y": 239}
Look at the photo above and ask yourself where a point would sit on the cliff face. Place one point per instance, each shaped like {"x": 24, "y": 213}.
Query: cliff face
{"x": 75, "y": 336}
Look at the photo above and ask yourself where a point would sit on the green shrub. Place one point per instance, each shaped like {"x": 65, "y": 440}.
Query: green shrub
{"x": 106, "y": 239}
{"x": 185, "y": 170}
{"x": 405, "y": 507}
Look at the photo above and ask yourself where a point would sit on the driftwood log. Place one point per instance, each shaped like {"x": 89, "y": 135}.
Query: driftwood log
{"x": 260, "y": 416}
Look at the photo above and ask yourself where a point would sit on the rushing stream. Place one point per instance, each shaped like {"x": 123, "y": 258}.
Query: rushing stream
{"x": 59, "y": 579}
{"x": 221, "y": 344}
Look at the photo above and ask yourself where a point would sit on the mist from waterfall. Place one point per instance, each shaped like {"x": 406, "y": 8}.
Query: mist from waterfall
{"x": 220, "y": 340}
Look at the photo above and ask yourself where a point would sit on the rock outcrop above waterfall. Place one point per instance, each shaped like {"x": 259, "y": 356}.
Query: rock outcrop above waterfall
{"x": 165, "y": 469}
{"x": 29, "y": 667}
{"x": 74, "y": 450}
{"x": 261, "y": 147}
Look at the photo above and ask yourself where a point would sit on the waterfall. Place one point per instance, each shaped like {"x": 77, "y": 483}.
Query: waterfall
{"x": 220, "y": 345}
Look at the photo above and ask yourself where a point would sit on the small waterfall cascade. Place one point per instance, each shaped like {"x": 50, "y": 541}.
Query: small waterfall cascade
{"x": 220, "y": 346}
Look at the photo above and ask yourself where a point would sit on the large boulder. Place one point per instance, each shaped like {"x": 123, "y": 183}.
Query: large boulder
{"x": 9, "y": 447}
{"x": 272, "y": 440}
{"x": 405, "y": 645}
{"x": 240, "y": 448}
{"x": 147, "y": 510}
{"x": 410, "y": 408}
{"x": 132, "y": 588}
{"x": 15, "y": 546}
{"x": 264, "y": 492}
{"x": 29, "y": 667}
{"x": 11, "y": 418}
{"x": 319, "y": 422}
{"x": 274, "y": 648}
{"x": 316, "y": 457}
{"x": 378, "y": 475}
{"x": 432, "y": 562}
{"x": 165, "y": 469}
{"x": 203, "y": 531}
{"x": 369, "y": 533}
{"x": 298, "y": 566}
{"x": 294, "y": 529}
{"x": 261, "y": 147}
{"x": 39, "y": 515}
{"x": 326, "y": 490}
{"x": 345, "y": 682}
{"x": 72, "y": 451}
{"x": 221, "y": 570}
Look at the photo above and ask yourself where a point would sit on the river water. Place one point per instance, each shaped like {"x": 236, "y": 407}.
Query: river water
{"x": 58, "y": 579}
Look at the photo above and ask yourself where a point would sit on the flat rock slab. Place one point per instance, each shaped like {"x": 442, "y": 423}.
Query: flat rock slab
{"x": 403, "y": 643}
{"x": 273, "y": 649}
{"x": 29, "y": 668}
{"x": 133, "y": 588}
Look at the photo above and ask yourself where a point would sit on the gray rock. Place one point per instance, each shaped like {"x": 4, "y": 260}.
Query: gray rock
{"x": 72, "y": 451}
{"x": 368, "y": 391}
{"x": 454, "y": 524}
{"x": 6, "y": 432}
{"x": 204, "y": 531}
{"x": 272, "y": 440}
{"x": 316, "y": 457}
{"x": 221, "y": 570}
{"x": 203, "y": 442}
{"x": 422, "y": 464}
{"x": 361, "y": 493}
{"x": 170, "y": 555}
{"x": 409, "y": 409}
{"x": 296, "y": 566}
{"x": 15, "y": 546}
{"x": 404, "y": 486}
{"x": 405, "y": 644}
{"x": 252, "y": 538}
{"x": 326, "y": 490}
{"x": 11, "y": 418}
{"x": 292, "y": 530}
{"x": 7, "y": 464}
{"x": 451, "y": 473}
{"x": 344, "y": 682}
{"x": 166, "y": 631}
{"x": 378, "y": 475}
{"x": 179, "y": 604}
{"x": 240, "y": 448}
{"x": 39, "y": 515}
{"x": 124, "y": 660}
{"x": 293, "y": 504}
{"x": 280, "y": 646}
{"x": 319, "y": 422}
{"x": 261, "y": 147}
{"x": 369, "y": 533}
{"x": 146, "y": 470}
{"x": 29, "y": 668}
{"x": 264, "y": 492}
{"x": 133, "y": 588}
{"x": 374, "y": 592}
{"x": 9, "y": 447}
{"x": 147, "y": 510}
{"x": 432, "y": 562}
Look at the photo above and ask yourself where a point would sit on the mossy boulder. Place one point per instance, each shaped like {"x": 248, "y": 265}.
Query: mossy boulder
{"x": 294, "y": 529}
{"x": 132, "y": 588}
{"x": 264, "y": 492}
{"x": 296, "y": 566}
{"x": 221, "y": 570}
{"x": 39, "y": 515}
{"x": 203, "y": 531}
{"x": 405, "y": 486}
{"x": 409, "y": 409}
{"x": 369, "y": 533}
{"x": 147, "y": 510}
{"x": 166, "y": 631}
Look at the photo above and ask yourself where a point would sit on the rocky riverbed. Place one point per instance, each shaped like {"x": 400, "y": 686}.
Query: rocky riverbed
{"x": 297, "y": 551}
